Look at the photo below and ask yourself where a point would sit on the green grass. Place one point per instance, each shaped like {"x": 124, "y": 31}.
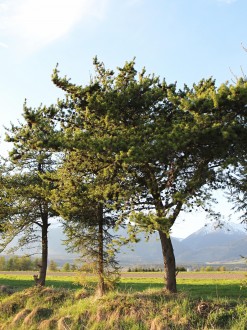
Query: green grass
{"x": 195, "y": 288}
{"x": 20, "y": 282}
{"x": 136, "y": 304}
{"x": 207, "y": 289}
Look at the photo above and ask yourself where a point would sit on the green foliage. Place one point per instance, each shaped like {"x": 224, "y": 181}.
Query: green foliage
{"x": 207, "y": 269}
{"x": 19, "y": 263}
{"x": 52, "y": 266}
{"x": 212, "y": 269}
{"x": 2, "y": 263}
{"x": 66, "y": 267}
{"x": 237, "y": 184}
{"x": 181, "y": 269}
{"x": 144, "y": 269}
{"x": 25, "y": 202}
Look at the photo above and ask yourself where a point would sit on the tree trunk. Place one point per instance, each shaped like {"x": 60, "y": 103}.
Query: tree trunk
{"x": 101, "y": 283}
{"x": 169, "y": 262}
{"x": 40, "y": 280}
{"x": 44, "y": 257}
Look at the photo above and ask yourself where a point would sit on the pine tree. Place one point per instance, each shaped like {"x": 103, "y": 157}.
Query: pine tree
{"x": 90, "y": 217}
{"x": 25, "y": 204}
{"x": 52, "y": 266}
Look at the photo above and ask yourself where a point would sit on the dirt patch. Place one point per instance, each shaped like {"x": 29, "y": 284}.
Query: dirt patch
{"x": 186, "y": 275}
{"x": 213, "y": 275}
{"x": 190, "y": 275}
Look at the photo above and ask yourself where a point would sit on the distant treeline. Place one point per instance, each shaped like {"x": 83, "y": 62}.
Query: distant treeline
{"x": 212, "y": 269}
{"x": 19, "y": 263}
{"x": 25, "y": 263}
{"x": 152, "y": 269}
{"x": 179, "y": 269}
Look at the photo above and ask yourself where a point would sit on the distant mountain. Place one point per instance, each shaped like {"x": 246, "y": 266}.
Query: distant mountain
{"x": 212, "y": 243}
{"x": 208, "y": 244}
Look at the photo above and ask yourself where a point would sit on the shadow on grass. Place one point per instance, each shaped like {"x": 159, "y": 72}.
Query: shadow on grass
{"x": 20, "y": 284}
{"x": 197, "y": 291}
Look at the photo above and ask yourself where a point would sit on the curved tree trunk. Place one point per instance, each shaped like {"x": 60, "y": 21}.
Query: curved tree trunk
{"x": 169, "y": 262}
{"x": 166, "y": 244}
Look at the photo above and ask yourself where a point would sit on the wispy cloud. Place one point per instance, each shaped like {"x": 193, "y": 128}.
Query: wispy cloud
{"x": 40, "y": 22}
{"x": 133, "y": 2}
{"x": 228, "y": 2}
{"x": 3, "y": 45}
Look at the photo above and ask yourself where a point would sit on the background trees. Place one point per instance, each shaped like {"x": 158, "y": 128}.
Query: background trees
{"x": 19, "y": 263}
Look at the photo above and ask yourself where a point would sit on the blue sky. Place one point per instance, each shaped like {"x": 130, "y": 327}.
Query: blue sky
{"x": 179, "y": 40}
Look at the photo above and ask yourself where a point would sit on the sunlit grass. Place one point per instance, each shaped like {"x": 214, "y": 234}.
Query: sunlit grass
{"x": 196, "y": 288}
{"x": 137, "y": 303}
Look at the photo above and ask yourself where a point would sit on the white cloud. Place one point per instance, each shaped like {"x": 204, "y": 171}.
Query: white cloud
{"x": 39, "y": 22}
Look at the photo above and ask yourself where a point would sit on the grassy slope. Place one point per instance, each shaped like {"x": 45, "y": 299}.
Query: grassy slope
{"x": 137, "y": 303}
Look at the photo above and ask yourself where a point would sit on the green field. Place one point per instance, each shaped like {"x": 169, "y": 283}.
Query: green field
{"x": 137, "y": 303}
{"x": 196, "y": 288}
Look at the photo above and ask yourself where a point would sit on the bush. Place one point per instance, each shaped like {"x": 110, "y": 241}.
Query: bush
{"x": 52, "y": 266}
{"x": 181, "y": 269}
{"x": 207, "y": 269}
{"x": 66, "y": 267}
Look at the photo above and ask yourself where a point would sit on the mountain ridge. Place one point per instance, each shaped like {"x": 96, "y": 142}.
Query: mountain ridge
{"x": 206, "y": 245}
{"x": 209, "y": 244}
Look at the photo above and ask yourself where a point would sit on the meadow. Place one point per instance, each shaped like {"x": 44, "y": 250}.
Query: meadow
{"x": 138, "y": 302}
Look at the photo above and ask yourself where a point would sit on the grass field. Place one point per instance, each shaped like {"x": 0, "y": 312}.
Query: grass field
{"x": 138, "y": 303}
{"x": 194, "y": 284}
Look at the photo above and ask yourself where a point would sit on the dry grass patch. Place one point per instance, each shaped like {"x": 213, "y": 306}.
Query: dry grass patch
{"x": 48, "y": 325}
{"x": 19, "y": 318}
{"x": 37, "y": 315}
{"x": 64, "y": 323}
